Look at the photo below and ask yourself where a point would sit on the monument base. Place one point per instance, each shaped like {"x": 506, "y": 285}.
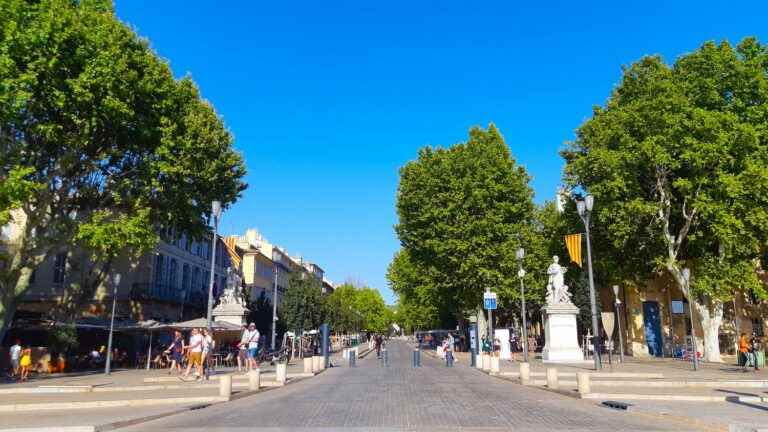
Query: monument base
{"x": 232, "y": 313}
{"x": 562, "y": 343}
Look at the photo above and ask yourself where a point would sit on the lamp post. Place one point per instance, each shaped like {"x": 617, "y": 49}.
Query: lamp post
{"x": 216, "y": 213}
{"x": 521, "y": 274}
{"x": 274, "y": 310}
{"x": 115, "y": 283}
{"x": 585, "y": 208}
{"x": 618, "y": 322}
{"x": 687, "y": 280}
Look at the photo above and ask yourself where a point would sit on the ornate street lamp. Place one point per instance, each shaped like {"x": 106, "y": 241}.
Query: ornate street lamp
{"x": 216, "y": 213}
{"x": 618, "y": 322}
{"x": 687, "y": 279}
{"x": 115, "y": 283}
{"x": 585, "y": 209}
{"x": 521, "y": 274}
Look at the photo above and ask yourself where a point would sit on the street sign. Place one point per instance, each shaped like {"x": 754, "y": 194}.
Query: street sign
{"x": 489, "y": 298}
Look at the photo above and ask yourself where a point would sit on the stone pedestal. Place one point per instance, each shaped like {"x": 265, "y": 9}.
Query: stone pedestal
{"x": 234, "y": 313}
{"x": 562, "y": 343}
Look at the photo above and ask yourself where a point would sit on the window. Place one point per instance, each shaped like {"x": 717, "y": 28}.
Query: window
{"x": 173, "y": 275}
{"x": 185, "y": 278}
{"x": 196, "y": 279}
{"x": 206, "y": 280}
{"x": 159, "y": 271}
{"x": 59, "y": 267}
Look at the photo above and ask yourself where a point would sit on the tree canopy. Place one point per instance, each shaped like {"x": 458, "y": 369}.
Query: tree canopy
{"x": 463, "y": 212}
{"x": 114, "y": 145}
{"x": 677, "y": 161}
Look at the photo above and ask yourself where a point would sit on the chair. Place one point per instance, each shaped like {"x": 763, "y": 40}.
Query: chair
{"x": 229, "y": 360}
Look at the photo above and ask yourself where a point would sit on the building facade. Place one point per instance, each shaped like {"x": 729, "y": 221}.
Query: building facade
{"x": 169, "y": 283}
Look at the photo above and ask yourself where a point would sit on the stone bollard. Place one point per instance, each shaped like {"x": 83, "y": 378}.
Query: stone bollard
{"x": 321, "y": 363}
{"x": 479, "y": 360}
{"x": 254, "y": 379}
{"x": 281, "y": 370}
{"x": 552, "y": 378}
{"x": 582, "y": 378}
{"x": 315, "y": 364}
{"x": 486, "y": 362}
{"x": 352, "y": 358}
{"x": 225, "y": 386}
{"x": 416, "y": 361}
{"x": 308, "y": 365}
{"x": 525, "y": 373}
{"x": 495, "y": 365}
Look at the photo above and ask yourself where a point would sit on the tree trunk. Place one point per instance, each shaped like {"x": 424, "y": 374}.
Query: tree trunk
{"x": 12, "y": 293}
{"x": 711, "y": 313}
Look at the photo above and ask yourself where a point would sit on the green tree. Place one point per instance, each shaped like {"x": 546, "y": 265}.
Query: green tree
{"x": 117, "y": 148}
{"x": 302, "y": 308}
{"x": 463, "y": 211}
{"x": 678, "y": 164}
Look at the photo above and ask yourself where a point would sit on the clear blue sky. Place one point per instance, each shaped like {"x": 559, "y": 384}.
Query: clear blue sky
{"x": 327, "y": 100}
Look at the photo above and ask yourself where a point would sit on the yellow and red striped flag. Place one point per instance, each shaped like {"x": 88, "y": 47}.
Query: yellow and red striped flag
{"x": 573, "y": 243}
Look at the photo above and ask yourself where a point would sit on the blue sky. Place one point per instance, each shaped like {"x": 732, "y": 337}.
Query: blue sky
{"x": 327, "y": 100}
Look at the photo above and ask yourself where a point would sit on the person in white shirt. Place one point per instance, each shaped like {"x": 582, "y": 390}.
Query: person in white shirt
{"x": 195, "y": 354}
{"x": 15, "y": 354}
{"x": 250, "y": 341}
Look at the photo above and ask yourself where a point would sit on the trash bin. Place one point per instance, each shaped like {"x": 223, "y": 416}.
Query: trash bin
{"x": 760, "y": 359}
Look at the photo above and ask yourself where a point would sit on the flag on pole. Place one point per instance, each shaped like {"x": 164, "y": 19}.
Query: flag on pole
{"x": 573, "y": 243}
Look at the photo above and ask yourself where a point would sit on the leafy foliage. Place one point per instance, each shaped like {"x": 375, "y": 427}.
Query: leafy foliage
{"x": 678, "y": 163}
{"x": 463, "y": 211}
{"x": 117, "y": 146}
{"x": 302, "y": 307}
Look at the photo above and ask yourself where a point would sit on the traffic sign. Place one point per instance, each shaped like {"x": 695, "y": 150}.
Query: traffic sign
{"x": 489, "y": 298}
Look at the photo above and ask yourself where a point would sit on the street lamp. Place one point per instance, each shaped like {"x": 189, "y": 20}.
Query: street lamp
{"x": 115, "y": 283}
{"x": 687, "y": 280}
{"x": 521, "y": 274}
{"x": 274, "y": 308}
{"x": 618, "y": 322}
{"x": 216, "y": 213}
{"x": 585, "y": 208}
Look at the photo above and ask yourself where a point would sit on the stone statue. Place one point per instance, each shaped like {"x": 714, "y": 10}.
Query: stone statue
{"x": 557, "y": 290}
{"x": 233, "y": 291}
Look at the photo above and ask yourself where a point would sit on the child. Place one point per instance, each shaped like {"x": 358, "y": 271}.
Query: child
{"x": 25, "y": 362}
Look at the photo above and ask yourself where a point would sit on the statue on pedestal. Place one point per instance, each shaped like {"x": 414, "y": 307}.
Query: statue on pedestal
{"x": 233, "y": 292}
{"x": 557, "y": 290}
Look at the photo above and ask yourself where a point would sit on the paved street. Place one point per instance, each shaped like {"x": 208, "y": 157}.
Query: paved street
{"x": 401, "y": 398}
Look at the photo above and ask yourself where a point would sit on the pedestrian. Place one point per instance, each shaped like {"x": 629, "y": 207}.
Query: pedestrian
{"x": 242, "y": 349}
{"x": 208, "y": 346}
{"x": 377, "y": 344}
{"x": 195, "y": 356}
{"x": 25, "y": 362}
{"x": 754, "y": 346}
{"x": 449, "y": 342}
{"x": 175, "y": 351}
{"x": 15, "y": 355}
{"x": 746, "y": 355}
{"x": 250, "y": 340}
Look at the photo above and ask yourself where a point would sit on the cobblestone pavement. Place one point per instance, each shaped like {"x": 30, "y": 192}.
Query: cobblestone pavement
{"x": 373, "y": 397}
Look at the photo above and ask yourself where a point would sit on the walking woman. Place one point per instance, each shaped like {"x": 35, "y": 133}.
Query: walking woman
{"x": 176, "y": 350}
{"x": 26, "y": 362}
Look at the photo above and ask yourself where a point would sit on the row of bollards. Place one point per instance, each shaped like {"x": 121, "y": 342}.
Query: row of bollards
{"x": 553, "y": 381}
{"x": 384, "y": 357}
{"x": 254, "y": 380}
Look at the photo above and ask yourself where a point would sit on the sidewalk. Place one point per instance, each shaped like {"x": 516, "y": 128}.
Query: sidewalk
{"x": 123, "y": 397}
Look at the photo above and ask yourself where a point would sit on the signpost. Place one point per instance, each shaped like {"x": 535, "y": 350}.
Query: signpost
{"x": 489, "y": 301}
